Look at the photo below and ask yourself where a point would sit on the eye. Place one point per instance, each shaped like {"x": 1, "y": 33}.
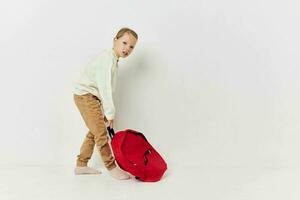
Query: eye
{"x": 124, "y": 42}
{"x": 131, "y": 47}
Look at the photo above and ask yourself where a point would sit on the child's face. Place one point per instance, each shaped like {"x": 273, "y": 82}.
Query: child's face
{"x": 123, "y": 46}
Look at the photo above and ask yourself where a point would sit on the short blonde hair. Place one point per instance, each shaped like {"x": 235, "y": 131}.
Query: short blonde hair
{"x": 124, "y": 30}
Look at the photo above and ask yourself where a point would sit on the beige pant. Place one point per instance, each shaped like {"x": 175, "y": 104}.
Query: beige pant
{"x": 92, "y": 114}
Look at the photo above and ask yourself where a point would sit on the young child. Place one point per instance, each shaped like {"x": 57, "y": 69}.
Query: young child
{"x": 94, "y": 99}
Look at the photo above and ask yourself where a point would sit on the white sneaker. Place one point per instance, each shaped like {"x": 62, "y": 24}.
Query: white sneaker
{"x": 118, "y": 174}
{"x": 85, "y": 170}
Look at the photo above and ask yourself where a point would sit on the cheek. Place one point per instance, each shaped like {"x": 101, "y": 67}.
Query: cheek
{"x": 120, "y": 45}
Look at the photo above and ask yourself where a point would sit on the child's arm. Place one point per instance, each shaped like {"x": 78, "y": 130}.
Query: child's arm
{"x": 103, "y": 78}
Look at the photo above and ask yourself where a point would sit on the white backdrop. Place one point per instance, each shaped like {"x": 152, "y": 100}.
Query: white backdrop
{"x": 210, "y": 83}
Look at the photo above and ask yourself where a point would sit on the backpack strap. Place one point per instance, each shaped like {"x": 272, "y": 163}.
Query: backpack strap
{"x": 111, "y": 132}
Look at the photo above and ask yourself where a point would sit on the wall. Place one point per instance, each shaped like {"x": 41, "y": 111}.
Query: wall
{"x": 210, "y": 83}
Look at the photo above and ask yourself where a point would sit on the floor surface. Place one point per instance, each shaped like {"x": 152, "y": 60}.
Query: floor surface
{"x": 59, "y": 183}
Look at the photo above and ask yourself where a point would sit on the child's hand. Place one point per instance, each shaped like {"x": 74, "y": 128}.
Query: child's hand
{"x": 110, "y": 123}
{"x": 105, "y": 120}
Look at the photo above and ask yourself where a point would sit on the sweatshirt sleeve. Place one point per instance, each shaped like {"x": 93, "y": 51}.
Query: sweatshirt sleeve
{"x": 103, "y": 78}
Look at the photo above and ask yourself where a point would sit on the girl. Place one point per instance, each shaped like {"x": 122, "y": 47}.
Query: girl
{"x": 93, "y": 97}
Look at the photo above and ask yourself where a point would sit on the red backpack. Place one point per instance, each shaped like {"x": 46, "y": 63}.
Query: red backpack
{"x": 135, "y": 155}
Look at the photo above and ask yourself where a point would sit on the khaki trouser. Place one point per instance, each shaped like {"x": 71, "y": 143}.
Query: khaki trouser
{"x": 92, "y": 114}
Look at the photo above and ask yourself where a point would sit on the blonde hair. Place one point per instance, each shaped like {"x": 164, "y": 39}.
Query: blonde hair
{"x": 124, "y": 30}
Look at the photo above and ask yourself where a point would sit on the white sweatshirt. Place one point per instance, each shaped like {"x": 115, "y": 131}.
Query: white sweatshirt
{"x": 100, "y": 78}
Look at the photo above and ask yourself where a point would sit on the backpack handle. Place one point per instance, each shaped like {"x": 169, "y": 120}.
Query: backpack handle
{"x": 111, "y": 132}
